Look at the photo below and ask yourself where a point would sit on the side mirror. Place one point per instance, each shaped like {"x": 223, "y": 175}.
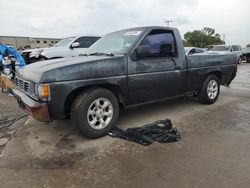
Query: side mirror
{"x": 75, "y": 45}
{"x": 143, "y": 51}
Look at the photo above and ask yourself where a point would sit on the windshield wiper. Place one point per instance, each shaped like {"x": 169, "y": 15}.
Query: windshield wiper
{"x": 101, "y": 53}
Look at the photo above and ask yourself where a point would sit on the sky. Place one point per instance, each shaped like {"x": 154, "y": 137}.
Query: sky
{"x": 63, "y": 18}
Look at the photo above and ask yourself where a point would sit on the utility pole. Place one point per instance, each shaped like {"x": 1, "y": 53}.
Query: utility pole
{"x": 224, "y": 36}
{"x": 168, "y": 22}
{"x": 201, "y": 45}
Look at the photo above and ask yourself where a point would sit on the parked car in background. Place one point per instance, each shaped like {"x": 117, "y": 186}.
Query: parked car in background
{"x": 246, "y": 55}
{"x": 125, "y": 68}
{"x": 193, "y": 50}
{"x": 224, "y": 49}
{"x": 68, "y": 47}
{"x": 209, "y": 47}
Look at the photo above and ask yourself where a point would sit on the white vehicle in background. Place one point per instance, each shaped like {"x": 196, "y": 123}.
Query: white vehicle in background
{"x": 246, "y": 55}
{"x": 227, "y": 49}
{"x": 193, "y": 50}
{"x": 67, "y": 47}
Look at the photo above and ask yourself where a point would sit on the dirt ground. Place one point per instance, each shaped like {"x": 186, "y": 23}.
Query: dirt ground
{"x": 214, "y": 150}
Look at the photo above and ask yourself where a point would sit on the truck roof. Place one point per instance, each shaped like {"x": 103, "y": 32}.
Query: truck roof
{"x": 147, "y": 27}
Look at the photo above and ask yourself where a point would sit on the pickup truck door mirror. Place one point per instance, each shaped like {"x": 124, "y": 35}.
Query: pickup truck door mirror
{"x": 143, "y": 51}
{"x": 75, "y": 45}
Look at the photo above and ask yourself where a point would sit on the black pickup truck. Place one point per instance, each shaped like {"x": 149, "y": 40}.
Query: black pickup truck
{"x": 123, "y": 69}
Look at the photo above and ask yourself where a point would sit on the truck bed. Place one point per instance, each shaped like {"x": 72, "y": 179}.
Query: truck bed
{"x": 200, "y": 65}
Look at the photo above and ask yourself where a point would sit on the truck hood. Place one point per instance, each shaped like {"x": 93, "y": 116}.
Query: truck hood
{"x": 52, "y": 52}
{"x": 65, "y": 69}
{"x": 32, "y": 50}
{"x": 50, "y": 49}
{"x": 35, "y": 50}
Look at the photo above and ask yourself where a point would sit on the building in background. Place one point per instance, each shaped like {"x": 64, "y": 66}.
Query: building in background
{"x": 42, "y": 42}
{"x": 28, "y": 42}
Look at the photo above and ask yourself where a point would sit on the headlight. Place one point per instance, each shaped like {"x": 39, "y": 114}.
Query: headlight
{"x": 36, "y": 53}
{"x": 43, "y": 92}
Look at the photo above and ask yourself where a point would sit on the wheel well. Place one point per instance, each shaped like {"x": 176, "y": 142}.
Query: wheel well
{"x": 71, "y": 97}
{"x": 216, "y": 73}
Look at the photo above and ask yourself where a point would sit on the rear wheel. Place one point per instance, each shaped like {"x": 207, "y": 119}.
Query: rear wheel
{"x": 95, "y": 112}
{"x": 210, "y": 90}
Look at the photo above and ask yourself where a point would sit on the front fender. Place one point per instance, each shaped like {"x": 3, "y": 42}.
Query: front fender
{"x": 61, "y": 90}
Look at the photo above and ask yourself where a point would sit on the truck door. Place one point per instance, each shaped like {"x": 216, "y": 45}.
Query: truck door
{"x": 154, "y": 71}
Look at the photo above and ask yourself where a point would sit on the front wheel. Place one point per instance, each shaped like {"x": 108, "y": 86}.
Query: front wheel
{"x": 95, "y": 112}
{"x": 210, "y": 90}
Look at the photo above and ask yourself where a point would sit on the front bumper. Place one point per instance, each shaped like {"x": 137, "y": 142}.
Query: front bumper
{"x": 37, "y": 110}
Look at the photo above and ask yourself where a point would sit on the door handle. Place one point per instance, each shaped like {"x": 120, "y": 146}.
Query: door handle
{"x": 177, "y": 70}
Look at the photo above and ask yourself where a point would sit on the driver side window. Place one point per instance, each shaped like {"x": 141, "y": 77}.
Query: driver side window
{"x": 160, "y": 43}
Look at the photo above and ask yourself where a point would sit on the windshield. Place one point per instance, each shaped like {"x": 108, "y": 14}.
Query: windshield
{"x": 115, "y": 43}
{"x": 64, "y": 42}
{"x": 220, "y": 48}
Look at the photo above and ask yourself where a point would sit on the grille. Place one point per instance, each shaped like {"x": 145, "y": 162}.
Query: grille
{"x": 23, "y": 85}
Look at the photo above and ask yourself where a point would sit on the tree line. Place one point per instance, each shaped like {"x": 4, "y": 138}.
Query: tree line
{"x": 202, "y": 38}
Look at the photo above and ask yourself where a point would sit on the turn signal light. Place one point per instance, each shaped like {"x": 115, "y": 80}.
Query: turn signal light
{"x": 43, "y": 92}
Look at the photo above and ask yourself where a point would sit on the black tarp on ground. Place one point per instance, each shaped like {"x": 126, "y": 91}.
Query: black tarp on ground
{"x": 160, "y": 131}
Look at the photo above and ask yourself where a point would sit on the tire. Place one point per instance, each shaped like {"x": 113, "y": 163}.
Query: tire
{"x": 241, "y": 58}
{"x": 210, "y": 90}
{"x": 248, "y": 59}
{"x": 95, "y": 112}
